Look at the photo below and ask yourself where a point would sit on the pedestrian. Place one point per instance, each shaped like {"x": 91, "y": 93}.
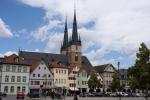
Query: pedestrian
{"x": 75, "y": 97}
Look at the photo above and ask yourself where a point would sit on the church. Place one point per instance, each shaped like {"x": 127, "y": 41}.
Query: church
{"x": 70, "y": 51}
{"x": 71, "y": 57}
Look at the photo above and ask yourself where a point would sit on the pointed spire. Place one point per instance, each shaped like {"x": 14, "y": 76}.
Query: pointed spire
{"x": 65, "y": 42}
{"x": 74, "y": 31}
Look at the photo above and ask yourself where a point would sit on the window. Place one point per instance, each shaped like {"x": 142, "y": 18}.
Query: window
{"x": 24, "y": 89}
{"x": 76, "y": 58}
{"x": 24, "y": 69}
{"x": 19, "y": 68}
{"x": 1, "y": 67}
{"x": 12, "y": 78}
{"x": 45, "y": 75}
{"x": 39, "y": 68}
{"x": 38, "y": 75}
{"x": 18, "y": 78}
{"x": 64, "y": 81}
{"x": 56, "y": 71}
{"x": 64, "y": 71}
{"x": 6, "y": 89}
{"x": 18, "y": 89}
{"x": 13, "y": 68}
{"x": 61, "y": 80}
{"x": 33, "y": 75}
{"x": 6, "y": 78}
{"x": 7, "y": 68}
{"x": 24, "y": 79}
{"x": 44, "y": 68}
{"x": 76, "y": 47}
{"x": 56, "y": 81}
{"x": 49, "y": 75}
{"x": 12, "y": 89}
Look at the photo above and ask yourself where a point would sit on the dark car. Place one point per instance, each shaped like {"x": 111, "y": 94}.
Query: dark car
{"x": 98, "y": 94}
{"x": 34, "y": 95}
{"x": 3, "y": 94}
{"x": 90, "y": 94}
{"x": 20, "y": 95}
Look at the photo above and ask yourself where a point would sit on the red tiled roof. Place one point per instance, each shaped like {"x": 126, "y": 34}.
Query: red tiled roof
{"x": 15, "y": 60}
{"x": 57, "y": 64}
{"x": 34, "y": 65}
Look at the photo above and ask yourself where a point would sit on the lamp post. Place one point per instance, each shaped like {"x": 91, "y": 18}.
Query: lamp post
{"x": 119, "y": 80}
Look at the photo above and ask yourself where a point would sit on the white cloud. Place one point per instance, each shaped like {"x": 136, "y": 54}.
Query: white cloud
{"x": 120, "y": 25}
{"x": 44, "y": 31}
{"x": 5, "y": 30}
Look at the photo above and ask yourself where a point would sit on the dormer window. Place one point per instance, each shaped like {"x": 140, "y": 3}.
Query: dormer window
{"x": 16, "y": 59}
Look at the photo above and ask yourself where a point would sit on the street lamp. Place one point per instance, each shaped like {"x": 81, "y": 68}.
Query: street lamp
{"x": 119, "y": 80}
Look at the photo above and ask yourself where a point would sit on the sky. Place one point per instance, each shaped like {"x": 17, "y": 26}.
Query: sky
{"x": 110, "y": 30}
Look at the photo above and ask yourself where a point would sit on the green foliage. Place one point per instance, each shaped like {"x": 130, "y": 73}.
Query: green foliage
{"x": 139, "y": 74}
{"x": 115, "y": 85}
{"x": 94, "y": 82}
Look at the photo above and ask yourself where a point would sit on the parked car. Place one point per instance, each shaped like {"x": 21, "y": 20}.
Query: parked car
{"x": 34, "y": 95}
{"x": 83, "y": 95}
{"x": 90, "y": 94}
{"x": 20, "y": 95}
{"x": 113, "y": 94}
{"x": 98, "y": 94}
{"x": 3, "y": 94}
{"x": 124, "y": 94}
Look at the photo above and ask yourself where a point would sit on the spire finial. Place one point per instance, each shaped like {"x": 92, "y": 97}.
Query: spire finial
{"x": 74, "y": 31}
{"x": 66, "y": 28}
{"x": 65, "y": 41}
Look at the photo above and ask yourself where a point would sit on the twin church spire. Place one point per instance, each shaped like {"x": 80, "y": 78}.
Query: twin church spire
{"x": 75, "y": 39}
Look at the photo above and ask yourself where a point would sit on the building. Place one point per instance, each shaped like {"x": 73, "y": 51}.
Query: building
{"x": 83, "y": 80}
{"x": 78, "y": 79}
{"x": 14, "y": 75}
{"x": 124, "y": 79}
{"x": 41, "y": 78}
{"x": 106, "y": 72}
{"x": 71, "y": 50}
{"x": 60, "y": 73}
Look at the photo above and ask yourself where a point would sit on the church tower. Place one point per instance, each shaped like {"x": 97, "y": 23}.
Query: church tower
{"x": 72, "y": 48}
{"x": 64, "y": 46}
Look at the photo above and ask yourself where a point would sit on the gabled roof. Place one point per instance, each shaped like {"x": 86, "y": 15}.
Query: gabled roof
{"x": 14, "y": 59}
{"x": 56, "y": 64}
{"x": 101, "y": 68}
{"x": 47, "y": 57}
{"x": 31, "y": 57}
{"x": 34, "y": 65}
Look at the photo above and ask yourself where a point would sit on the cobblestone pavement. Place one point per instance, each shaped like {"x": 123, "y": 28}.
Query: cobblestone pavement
{"x": 80, "y": 98}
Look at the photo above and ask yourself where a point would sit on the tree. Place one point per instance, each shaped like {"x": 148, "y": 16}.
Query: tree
{"x": 139, "y": 73}
{"x": 93, "y": 82}
{"x": 115, "y": 85}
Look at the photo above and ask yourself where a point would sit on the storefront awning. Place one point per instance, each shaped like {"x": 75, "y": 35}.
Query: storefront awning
{"x": 74, "y": 89}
